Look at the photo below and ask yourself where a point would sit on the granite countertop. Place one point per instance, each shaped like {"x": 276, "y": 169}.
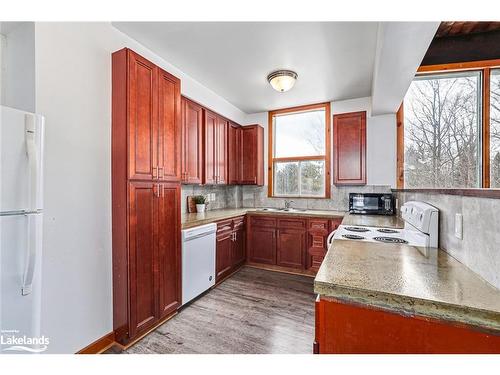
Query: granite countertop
{"x": 374, "y": 220}
{"x": 195, "y": 219}
{"x": 403, "y": 279}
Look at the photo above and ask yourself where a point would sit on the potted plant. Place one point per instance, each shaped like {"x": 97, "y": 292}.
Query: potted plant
{"x": 201, "y": 203}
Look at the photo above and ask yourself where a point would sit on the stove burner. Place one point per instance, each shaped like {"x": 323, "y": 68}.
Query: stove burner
{"x": 390, "y": 239}
{"x": 357, "y": 229}
{"x": 386, "y": 230}
{"x": 353, "y": 237}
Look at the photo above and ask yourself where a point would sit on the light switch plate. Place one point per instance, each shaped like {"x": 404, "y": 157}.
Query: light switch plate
{"x": 212, "y": 197}
{"x": 459, "y": 226}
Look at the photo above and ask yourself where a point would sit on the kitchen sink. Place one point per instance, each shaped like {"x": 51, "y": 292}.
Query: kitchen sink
{"x": 269, "y": 209}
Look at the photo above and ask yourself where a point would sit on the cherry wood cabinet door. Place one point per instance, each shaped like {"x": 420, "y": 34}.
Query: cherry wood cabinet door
{"x": 192, "y": 142}
{"x": 224, "y": 259}
{"x": 142, "y": 118}
{"x": 252, "y": 155}
{"x": 291, "y": 247}
{"x": 234, "y": 151}
{"x": 169, "y": 249}
{"x": 318, "y": 230}
{"x": 210, "y": 131}
{"x": 143, "y": 231}
{"x": 349, "y": 142}
{"x": 169, "y": 124}
{"x": 262, "y": 245}
{"x": 239, "y": 247}
{"x": 221, "y": 151}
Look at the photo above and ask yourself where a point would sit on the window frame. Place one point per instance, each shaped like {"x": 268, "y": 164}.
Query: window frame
{"x": 327, "y": 157}
{"x": 485, "y": 67}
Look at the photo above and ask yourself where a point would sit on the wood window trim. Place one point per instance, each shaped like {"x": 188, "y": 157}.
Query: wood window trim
{"x": 485, "y": 67}
{"x": 327, "y": 157}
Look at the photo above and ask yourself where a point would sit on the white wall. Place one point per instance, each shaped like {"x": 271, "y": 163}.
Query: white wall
{"x": 73, "y": 91}
{"x": 380, "y": 139}
{"x": 18, "y": 65}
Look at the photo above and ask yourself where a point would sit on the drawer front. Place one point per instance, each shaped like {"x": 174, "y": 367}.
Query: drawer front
{"x": 224, "y": 226}
{"x": 318, "y": 241}
{"x": 334, "y": 224}
{"x": 263, "y": 221}
{"x": 317, "y": 225}
{"x": 292, "y": 223}
{"x": 238, "y": 222}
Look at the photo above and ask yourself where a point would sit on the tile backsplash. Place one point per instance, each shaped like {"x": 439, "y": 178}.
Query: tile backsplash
{"x": 480, "y": 247}
{"x": 229, "y": 196}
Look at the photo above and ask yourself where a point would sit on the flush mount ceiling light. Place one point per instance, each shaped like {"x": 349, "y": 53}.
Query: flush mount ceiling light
{"x": 282, "y": 80}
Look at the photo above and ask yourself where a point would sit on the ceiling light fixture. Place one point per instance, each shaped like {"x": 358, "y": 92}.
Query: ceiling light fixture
{"x": 282, "y": 80}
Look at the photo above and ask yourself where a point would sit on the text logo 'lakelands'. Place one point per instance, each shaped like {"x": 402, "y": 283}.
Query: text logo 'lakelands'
{"x": 11, "y": 341}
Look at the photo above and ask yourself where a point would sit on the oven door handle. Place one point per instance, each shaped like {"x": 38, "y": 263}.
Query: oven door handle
{"x": 330, "y": 238}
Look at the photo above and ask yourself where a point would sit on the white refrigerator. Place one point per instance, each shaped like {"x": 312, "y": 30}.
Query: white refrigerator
{"x": 21, "y": 218}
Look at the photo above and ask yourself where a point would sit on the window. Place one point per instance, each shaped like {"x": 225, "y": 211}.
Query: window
{"x": 449, "y": 127}
{"x": 495, "y": 129}
{"x": 299, "y": 157}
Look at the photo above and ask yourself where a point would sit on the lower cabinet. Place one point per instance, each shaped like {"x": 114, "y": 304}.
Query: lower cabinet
{"x": 148, "y": 279}
{"x": 291, "y": 247}
{"x": 295, "y": 243}
{"x": 230, "y": 247}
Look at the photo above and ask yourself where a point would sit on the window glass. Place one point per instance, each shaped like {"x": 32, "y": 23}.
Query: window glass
{"x": 495, "y": 128}
{"x": 442, "y": 121}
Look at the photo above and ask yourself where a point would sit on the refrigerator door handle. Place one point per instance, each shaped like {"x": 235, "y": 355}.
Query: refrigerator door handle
{"x": 29, "y": 269}
{"x": 30, "y": 128}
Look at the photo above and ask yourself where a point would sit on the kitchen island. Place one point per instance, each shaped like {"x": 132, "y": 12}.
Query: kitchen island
{"x": 395, "y": 298}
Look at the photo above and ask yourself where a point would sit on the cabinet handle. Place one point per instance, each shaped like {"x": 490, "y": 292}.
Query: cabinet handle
{"x": 155, "y": 172}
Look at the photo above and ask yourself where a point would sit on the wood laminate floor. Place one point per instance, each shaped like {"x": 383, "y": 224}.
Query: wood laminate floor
{"x": 254, "y": 311}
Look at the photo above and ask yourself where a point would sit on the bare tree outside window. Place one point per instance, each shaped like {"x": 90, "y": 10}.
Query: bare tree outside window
{"x": 495, "y": 128}
{"x": 299, "y": 136}
{"x": 441, "y": 134}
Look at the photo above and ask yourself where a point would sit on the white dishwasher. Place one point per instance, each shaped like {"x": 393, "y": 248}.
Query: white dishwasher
{"x": 198, "y": 260}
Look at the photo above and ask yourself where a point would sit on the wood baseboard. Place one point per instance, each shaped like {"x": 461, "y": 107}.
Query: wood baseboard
{"x": 270, "y": 267}
{"x": 100, "y": 345}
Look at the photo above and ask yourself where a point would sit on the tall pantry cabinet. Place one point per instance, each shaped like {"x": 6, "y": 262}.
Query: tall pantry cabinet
{"x": 146, "y": 175}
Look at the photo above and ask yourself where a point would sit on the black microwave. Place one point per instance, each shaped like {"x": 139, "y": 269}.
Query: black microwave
{"x": 371, "y": 203}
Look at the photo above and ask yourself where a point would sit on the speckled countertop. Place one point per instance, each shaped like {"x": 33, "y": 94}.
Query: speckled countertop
{"x": 195, "y": 219}
{"x": 403, "y": 279}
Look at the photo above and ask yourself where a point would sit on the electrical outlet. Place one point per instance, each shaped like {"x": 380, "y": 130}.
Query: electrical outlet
{"x": 459, "y": 226}
{"x": 212, "y": 197}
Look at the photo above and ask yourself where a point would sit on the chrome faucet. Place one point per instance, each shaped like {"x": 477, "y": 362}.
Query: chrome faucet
{"x": 288, "y": 204}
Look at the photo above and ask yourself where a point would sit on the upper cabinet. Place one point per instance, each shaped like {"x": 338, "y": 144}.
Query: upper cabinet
{"x": 252, "y": 155}
{"x": 221, "y": 156}
{"x": 349, "y": 142}
{"x": 153, "y": 113}
{"x": 234, "y": 151}
{"x": 210, "y": 139}
{"x": 192, "y": 142}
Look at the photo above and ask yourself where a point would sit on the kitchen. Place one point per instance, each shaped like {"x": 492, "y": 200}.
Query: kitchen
{"x": 297, "y": 211}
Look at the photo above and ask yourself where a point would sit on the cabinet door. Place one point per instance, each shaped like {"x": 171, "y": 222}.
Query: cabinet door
{"x": 210, "y": 130}
{"x": 262, "y": 245}
{"x": 169, "y": 249}
{"x": 318, "y": 230}
{"x": 169, "y": 125}
{"x": 221, "y": 151}
{"x": 239, "y": 247}
{"x": 252, "y": 155}
{"x": 192, "y": 142}
{"x": 234, "y": 150}
{"x": 142, "y": 118}
{"x": 349, "y": 142}
{"x": 291, "y": 246}
{"x": 223, "y": 262}
{"x": 142, "y": 256}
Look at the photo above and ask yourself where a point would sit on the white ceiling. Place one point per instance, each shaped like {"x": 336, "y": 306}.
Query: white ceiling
{"x": 334, "y": 60}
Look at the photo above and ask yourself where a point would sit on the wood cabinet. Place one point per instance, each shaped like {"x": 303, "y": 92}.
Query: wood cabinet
{"x": 234, "y": 152}
{"x": 252, "y": 155}
{"x": 192, "y": 142}
{"x": 349, "y": 146}
{"x": 344, "y": 328}
{"x": 290, "y": 248}
{"x": 215, "y": 134}
{"x": 318, "y": 231}
{"x": 230, "y": 246}
{"x": 146, "y": 172}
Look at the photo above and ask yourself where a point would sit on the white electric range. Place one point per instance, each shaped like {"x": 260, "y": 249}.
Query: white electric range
{"x": 420, "y": 229}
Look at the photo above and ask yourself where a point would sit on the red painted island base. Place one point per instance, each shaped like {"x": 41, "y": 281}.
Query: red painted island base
{"x": 343, "y": 328}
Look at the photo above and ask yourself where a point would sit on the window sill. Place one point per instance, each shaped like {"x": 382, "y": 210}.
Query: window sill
{"x": 481, "y": 193}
